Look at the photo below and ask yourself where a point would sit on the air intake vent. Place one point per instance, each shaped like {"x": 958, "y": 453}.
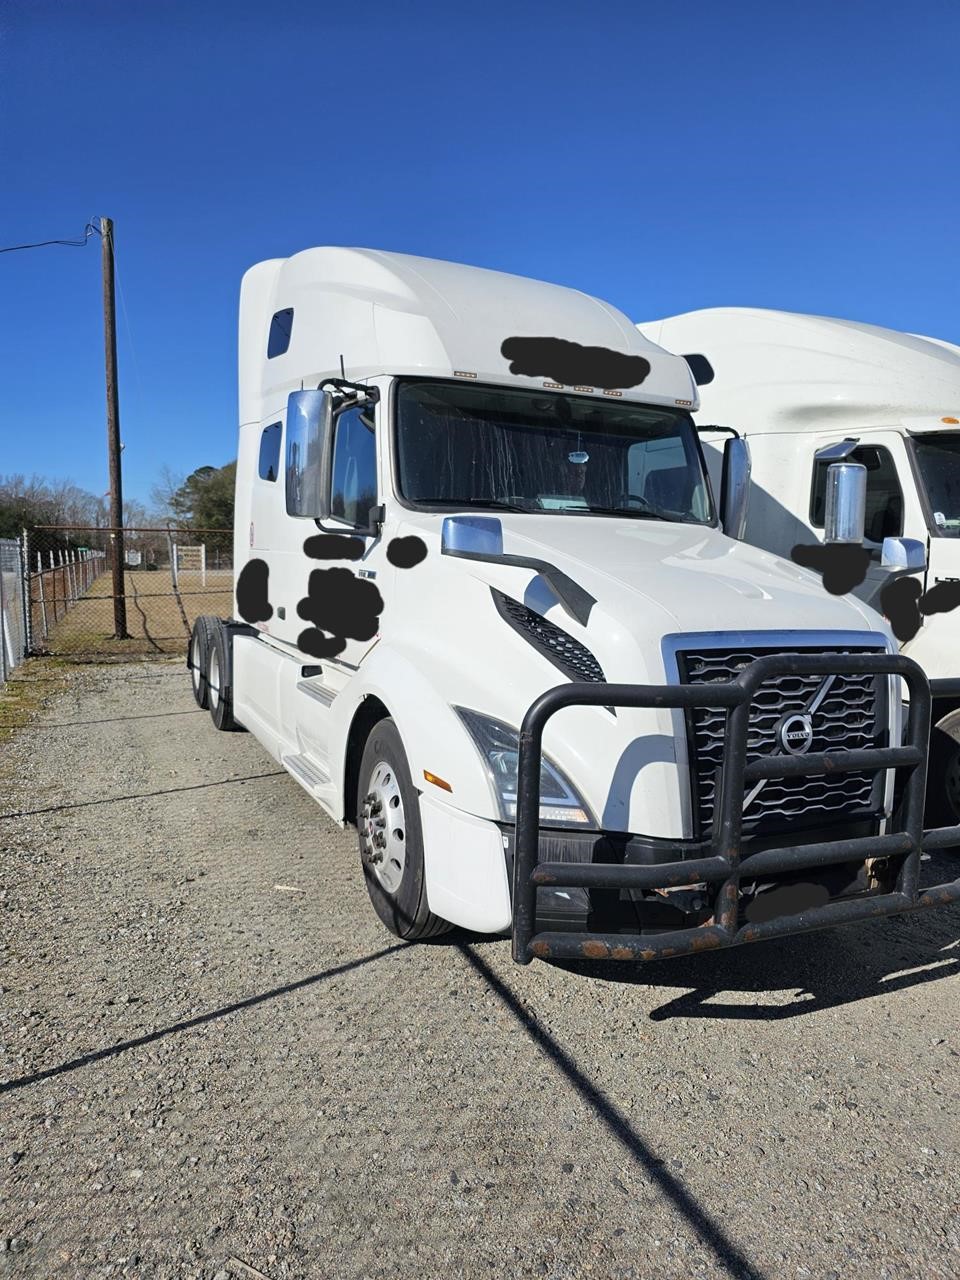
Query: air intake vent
{"x": 573, "y": 658}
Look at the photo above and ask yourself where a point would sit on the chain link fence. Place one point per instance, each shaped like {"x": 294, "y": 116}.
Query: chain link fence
{"x": 13, "y": 637}
{"x": 168, "y": 578}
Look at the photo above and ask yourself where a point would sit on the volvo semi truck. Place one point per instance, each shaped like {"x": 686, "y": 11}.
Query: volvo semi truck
{"x": 487, "y": 612}
{"x": 807, "y": 391}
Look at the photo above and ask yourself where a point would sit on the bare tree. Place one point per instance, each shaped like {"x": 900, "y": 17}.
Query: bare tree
{"x": 163, "y": 492}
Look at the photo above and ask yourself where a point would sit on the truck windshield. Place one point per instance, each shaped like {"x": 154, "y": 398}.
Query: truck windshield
{"x": 939, "y": 460}
{"x": 484, "y": 446}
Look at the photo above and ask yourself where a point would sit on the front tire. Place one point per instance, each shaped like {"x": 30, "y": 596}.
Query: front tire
{"x": 943, "y": 782}
{"x": 391, "y": 838}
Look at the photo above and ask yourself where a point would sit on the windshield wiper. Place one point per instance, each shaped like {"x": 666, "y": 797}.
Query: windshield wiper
{"x": 474, "y": 502}
{"x": 623, "y": 511}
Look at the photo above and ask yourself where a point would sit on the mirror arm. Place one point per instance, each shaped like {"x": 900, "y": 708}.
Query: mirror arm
{"x": 375, "y": 519}
{"x": 575, "y": 600}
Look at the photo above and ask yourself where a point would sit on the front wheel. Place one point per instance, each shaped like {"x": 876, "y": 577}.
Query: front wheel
{"x": 943, "y": 782}
{"x": 391, "y": 839}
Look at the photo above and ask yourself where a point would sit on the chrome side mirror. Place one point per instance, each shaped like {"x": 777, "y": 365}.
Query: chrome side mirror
{"x": 735, "y": 487}
{"x": 846, "y": 511}
{"x": 909, "y": 555}
{"x": 308, "y": 454}
{"x": 471, "y": 535}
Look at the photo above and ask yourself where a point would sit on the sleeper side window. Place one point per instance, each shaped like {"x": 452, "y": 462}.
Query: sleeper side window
{"x": 269, "y": 465}
{"x": 281, "y": 327}
{"x": 353, "y": 489}
{"x": 884, "y": 495}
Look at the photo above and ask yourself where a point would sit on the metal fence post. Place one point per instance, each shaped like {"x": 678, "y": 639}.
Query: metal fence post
{"x": 27, "y": 601}
{"x": 4, "y": 628}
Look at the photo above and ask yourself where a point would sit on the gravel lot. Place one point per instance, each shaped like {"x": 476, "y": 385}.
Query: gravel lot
{"x": 212, "y": 1051}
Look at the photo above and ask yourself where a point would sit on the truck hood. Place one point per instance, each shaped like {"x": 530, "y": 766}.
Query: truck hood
{"x": 651, "y": 578}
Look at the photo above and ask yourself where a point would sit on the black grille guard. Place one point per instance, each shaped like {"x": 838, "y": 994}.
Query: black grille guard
{"x": 724, "y": 868}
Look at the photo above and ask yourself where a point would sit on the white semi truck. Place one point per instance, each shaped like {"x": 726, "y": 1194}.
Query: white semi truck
{"x": 806, "y": 391}
{"x": 486, "y": 611}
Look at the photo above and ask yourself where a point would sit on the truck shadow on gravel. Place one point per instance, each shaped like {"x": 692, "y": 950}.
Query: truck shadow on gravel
{"x": 618, "y": 1125}
{"x": 795, "y": 976}
{"x": 113, "y": 1051}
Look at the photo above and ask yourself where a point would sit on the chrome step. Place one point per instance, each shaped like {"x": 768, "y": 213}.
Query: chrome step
{"x": 306, "y": 770}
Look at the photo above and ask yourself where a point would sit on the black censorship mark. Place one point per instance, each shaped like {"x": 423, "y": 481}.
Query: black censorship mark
{"x": 904, "y": 605}
{"x": 786, "y": 900}
{"x": 941, "y": 598}
{"x": 333, "y": 546}
{"x": 900, "y": 601}
{"x": 318, "y": 645}
{"x": 406, "y": 552}
{"x": 252, "y": 602}
{"x": 843, "y": 566}
{"x": 341, "y": 604}
{"x": 572, "y": 364}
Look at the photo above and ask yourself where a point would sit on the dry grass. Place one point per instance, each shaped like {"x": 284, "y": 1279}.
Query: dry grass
{"x": 158, "y": 619}
{"x": 27, "y": 691}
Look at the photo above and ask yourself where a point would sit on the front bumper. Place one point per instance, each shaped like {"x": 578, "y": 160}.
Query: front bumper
{"x": 724, "y": 871}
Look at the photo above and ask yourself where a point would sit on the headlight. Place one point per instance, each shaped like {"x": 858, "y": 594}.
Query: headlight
{"x": 499, "y": 746}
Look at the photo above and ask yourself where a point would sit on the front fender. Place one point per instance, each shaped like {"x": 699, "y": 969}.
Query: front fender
{"x": 433, "y": 735}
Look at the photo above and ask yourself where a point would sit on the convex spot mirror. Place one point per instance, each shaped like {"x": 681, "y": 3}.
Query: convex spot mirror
{"x": 471, "y": 536}
{"x": 906, "y": 554}
{"x": 308, "y": 454}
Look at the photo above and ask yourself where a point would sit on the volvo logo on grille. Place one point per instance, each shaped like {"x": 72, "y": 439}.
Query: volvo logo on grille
{"x": 795, "y": 734}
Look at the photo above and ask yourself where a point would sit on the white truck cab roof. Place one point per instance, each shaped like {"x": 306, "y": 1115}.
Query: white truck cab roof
{"x": 392, "y": 313}
{"x": 783, "y": 371}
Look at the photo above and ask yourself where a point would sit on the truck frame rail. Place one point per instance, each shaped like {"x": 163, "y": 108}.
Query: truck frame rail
{"x": 723, "y": 868}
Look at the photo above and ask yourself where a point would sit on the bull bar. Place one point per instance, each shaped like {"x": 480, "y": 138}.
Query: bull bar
{"x": 723, "y": 865}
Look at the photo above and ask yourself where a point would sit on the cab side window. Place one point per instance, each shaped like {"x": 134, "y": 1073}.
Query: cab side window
{"x": 884, "y": 495}
{"x": 353, "y": 489}
{"x": 269, "y": 464}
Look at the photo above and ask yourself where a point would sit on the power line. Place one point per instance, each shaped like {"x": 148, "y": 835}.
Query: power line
{"x": 88, "y": 231}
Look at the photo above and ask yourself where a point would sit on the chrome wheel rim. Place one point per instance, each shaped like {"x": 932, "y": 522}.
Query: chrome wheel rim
{"x": 195, "y": 672}
{"x": 382, "y": 827}
{"x": 213, "y": 678}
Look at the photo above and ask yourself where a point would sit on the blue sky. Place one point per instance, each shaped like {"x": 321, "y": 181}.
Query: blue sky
{"x": 665, "y": 158}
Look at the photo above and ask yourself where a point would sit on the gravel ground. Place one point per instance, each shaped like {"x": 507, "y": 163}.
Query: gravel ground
{"x": 213, "y": 1052}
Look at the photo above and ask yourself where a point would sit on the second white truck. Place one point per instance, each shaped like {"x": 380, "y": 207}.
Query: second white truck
{"x": 486, "y": 612}
{"x": 806, "y": 391}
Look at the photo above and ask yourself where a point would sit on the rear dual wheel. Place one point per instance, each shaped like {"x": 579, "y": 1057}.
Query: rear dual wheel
{"x": 210, "y": 672}
{"x": 198, "y": 656}
{"x": 220, "y": 682}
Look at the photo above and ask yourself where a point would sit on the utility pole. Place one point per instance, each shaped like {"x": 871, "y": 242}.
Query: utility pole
{"x": 113, "y": 429}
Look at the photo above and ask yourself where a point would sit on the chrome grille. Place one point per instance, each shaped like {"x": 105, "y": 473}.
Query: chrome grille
{"x": 850, "y": 715}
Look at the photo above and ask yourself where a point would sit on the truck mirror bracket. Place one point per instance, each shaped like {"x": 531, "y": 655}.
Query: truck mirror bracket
{"x": 575, "y": 600}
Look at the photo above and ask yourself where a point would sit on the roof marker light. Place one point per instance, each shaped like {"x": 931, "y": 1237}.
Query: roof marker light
{"x": 608, "y": 392}
{"x": 953, "y": 422}
{"x": 583, "y": 388}
{"x": 554, "y": 386}
{"x": 462, "y": 373}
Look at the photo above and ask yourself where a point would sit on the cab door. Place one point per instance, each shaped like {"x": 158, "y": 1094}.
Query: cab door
{"x": 344, "y": 563}
{"x": 892, "y": 507}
